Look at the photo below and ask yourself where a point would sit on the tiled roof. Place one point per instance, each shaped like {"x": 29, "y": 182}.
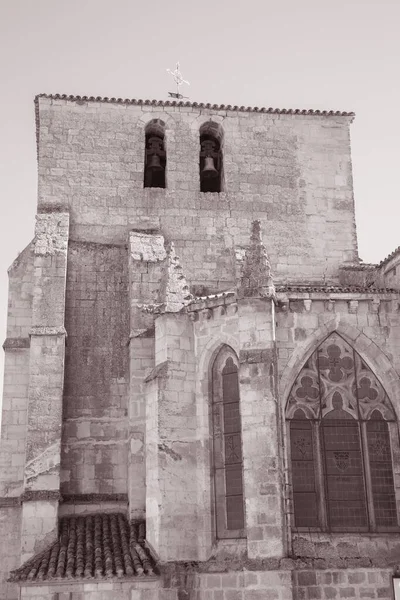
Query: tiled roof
{"x": 391, "y": 255}
{"x": 281, "y": 111}
{"x": 335, "y": 289}
{"x": 325, "y": 289}
{"x": 91, "y": 547}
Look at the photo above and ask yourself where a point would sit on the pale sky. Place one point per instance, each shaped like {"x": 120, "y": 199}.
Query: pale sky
{"x": 341, "y": 55}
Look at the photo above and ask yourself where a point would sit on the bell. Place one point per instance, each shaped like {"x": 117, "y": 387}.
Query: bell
{"x": 154, "y": 163}
{"x": 209, "y": 171}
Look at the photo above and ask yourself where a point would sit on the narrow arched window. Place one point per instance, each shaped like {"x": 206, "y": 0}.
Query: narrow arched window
{"x": 340, "y": 420}
{"x": 211, "y": 159}
{"x": 227, "y": 446}
{"x": 155, "y": 156}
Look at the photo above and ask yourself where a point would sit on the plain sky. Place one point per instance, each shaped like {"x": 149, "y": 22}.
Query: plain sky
{"x": 341, "y": 55}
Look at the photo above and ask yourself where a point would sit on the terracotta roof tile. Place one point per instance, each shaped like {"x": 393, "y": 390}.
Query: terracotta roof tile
{"x": 281, "y": 111}
{"x": 388, "y": 258}
{"x": 91, "y": 547}
{"x": 337, "y": 289}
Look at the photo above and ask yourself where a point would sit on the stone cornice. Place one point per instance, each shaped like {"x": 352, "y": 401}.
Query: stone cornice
{"x": 16, "y": 343}
{"x": 199, "y": 105}
{"x": 44, "y": 330}
{"x": 93, "y": 498}
{"x": 36, "y": 495}
{"x": 10, "y": 502}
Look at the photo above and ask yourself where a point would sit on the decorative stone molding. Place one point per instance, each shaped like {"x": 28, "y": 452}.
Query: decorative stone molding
{"x": 353, "y": 306}
{"x": 231, "y": 310}
{"x": 206, "y": 314}
{"x": 160, "y": 371}
{"x": 16, "y": 343}
{"x": 45, "y": 207}
{"x": 374, "y": 305}
{"x": 307, "y": 304}
{"x": 43, "y": 330}
{"x": 330, "y": 305}
{"x": 174, "y": 290}
{"x": 148, "y": 332}
{"x": 10, "y": 502}
{"x": 51, "y": 233}
{"x": 256, "y": 280}
{"x": 93, "y": 498}
{"x": 36, "y": 495}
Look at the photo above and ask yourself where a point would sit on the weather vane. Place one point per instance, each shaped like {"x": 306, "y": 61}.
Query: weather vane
{"x": 177, "y": 77}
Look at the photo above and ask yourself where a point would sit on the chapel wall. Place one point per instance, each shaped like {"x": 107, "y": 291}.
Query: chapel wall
{"x": 291, "y": 171}
{"x": 371, "y": 325}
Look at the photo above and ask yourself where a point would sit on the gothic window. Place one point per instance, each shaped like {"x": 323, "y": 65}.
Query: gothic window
{"x": 341, "y": 423}
{"x": 227, "y": 446}
{"x": 211, "y": 157}
{"x": 155, "y": 155}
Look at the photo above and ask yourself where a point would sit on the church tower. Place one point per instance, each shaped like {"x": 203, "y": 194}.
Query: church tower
{"x": 201, "y": 392}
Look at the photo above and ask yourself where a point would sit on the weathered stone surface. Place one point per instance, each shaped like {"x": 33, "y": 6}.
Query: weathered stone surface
{"x": 256, "y": 280}
{"x": 110, "y": 407}
{"x": 146, "y": 247}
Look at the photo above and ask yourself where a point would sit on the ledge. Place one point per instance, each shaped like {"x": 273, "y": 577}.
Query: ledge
{"x": 11, "y": 343}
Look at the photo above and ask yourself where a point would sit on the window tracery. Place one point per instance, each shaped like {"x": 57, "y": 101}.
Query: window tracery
{"x": 339, "y": 417}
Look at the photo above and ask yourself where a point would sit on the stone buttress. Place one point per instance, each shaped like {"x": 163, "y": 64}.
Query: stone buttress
{"x": 46, "y": 380}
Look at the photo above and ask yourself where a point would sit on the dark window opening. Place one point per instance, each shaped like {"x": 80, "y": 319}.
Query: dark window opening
{"x": 211, "y": 159}
{"x": 210, "y": 165}
{"x": 227, "y": 447}
{"x": 155, "y": 156}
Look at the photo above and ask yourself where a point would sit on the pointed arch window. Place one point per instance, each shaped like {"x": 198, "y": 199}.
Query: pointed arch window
{"x": 227, "y": 446}
{"x": 341, "y": 427}
{"x": 155, "y": 156}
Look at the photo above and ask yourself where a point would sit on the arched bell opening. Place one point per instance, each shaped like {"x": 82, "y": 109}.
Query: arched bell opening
{"x": 211, "y": 158}
{"x": 155, "y": 155}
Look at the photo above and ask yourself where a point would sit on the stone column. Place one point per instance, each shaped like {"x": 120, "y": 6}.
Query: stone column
{"x": 261, "y": 422}
{"x": 174, "y": 518}
{"x": 46, "y": 381}
{"x": 260, "y": 428}
{"x": 146, "y": 253}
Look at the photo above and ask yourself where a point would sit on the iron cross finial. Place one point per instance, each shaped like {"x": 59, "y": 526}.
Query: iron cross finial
{"x": 177, "y": 77}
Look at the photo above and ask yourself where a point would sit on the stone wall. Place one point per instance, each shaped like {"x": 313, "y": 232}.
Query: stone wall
{"x": 16, "y": 375}
{"x": 103, "y": 590}
{"x": 10, "y": 526}
{"x": 291, "y": 171}
{"x": 94, "y": 442}
{"x": 344, "y": 583}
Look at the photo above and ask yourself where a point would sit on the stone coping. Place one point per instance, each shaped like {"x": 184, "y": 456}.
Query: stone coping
{"x": 200, "y": 105}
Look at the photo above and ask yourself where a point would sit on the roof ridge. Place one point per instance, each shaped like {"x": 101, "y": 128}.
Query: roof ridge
{"x": 230, "y": 107}
{"x": 391, "y": 255}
